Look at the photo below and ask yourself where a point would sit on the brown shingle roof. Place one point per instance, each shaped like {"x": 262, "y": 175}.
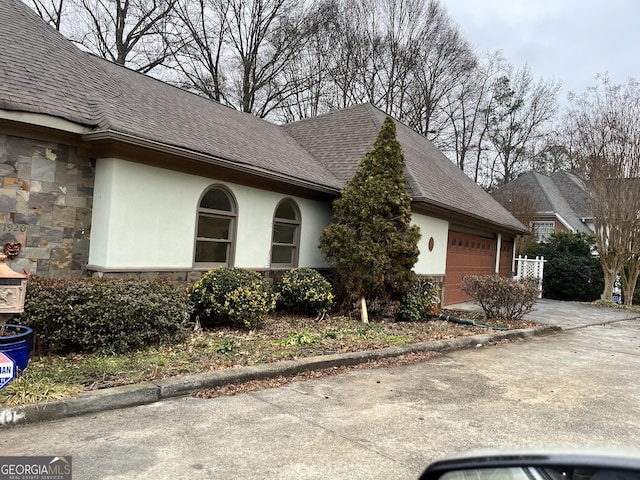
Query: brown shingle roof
{"x": 42, "y": 72}
{"x": 39, "y": 68}
{"x": 562, "y": 193}
{"x": 432, "y": 177}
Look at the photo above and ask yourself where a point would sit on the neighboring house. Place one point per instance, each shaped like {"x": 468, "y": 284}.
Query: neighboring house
{"x": 108, "y": 172}
{"x": 548, "y": 203}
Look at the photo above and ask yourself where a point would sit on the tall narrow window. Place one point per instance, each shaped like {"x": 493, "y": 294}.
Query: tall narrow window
{"x": 215, "y": 235}
{"x": 286, "y": 235}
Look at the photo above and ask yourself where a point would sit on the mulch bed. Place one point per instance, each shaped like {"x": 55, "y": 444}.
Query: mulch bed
{"x": 408, "y": 359}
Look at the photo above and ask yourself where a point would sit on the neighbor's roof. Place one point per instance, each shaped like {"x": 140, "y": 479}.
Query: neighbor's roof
{"x": 432, "y": 178}
{"x": 562, "y": 193}
{"x": 42, "y": 72}
{"x": 574, "y": 192}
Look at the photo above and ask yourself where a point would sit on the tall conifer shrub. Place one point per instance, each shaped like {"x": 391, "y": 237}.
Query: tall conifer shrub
{"x": 371, "y": 243}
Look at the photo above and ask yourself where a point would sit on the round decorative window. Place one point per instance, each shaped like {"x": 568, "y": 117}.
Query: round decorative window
{"x": 431, "y": 243}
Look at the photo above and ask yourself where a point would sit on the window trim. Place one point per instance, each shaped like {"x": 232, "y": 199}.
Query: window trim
{"x": 534, "y": 230}
{"x": 231, "y": 215}
{"x": 285, "y": 221}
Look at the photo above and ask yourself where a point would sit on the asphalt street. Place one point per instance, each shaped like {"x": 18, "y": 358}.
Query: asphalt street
{"x": 576, "y": 387}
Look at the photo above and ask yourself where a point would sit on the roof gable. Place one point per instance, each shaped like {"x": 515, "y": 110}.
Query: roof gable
{"x": 340, "y": 139}
{"x": 574, "y": 192}
{"x": 562, "y": 194}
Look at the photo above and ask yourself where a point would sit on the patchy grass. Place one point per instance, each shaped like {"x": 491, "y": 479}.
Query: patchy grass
{"x": 31, "y": 389}
{"x": 282, "y": 337}
{"x": 612, "y": 304}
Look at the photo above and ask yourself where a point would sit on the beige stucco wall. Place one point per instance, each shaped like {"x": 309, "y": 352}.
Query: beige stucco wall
{"x": 145, "y": 219}
{"x": 431, "y": 262}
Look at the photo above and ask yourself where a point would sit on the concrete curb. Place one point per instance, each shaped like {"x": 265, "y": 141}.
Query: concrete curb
{"x": 149, "y": 392}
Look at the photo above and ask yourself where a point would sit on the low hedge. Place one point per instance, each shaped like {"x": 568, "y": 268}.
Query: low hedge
{"x": 104, "y": 315}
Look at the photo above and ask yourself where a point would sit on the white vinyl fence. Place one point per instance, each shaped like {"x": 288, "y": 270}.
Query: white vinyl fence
{"x": 530, "y": 268}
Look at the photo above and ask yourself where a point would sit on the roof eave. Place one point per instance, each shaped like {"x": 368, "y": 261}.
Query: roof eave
{"x": 500, "y": 227}
{"x": 128, "y": 139}
{"x": 38, "y": 119}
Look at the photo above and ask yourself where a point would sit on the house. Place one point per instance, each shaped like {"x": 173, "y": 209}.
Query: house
{"x": 548, "y": 203}
{"x": 107, "y": 172}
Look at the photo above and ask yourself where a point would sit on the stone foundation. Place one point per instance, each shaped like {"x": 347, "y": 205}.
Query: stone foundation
{"x": 179, "y": 279}
{"x": 187, "y": 278}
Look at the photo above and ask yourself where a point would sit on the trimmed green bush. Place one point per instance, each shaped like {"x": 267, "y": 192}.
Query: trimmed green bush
{"x": 104, "y": 315}
{"x": 232, "y": 295}
{"x": 422, "y": 298}
{"x": 502, "y": 297}
{"x": 306, "y": 290}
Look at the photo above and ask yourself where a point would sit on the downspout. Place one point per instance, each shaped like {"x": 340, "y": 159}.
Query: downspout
{"x": 513, "y": 257}
{"x": 498, "y": 248}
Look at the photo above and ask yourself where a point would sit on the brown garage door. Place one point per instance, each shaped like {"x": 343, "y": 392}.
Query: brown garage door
{"x": 506, "y": 258}
{"x": 466, "y": 255}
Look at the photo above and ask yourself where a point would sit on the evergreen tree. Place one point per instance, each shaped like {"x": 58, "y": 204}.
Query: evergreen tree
{"x": 572, "y": 272}
{"x": 371, "y": 243}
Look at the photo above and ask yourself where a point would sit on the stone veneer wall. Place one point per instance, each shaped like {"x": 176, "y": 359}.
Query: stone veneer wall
{"x": 188, "y": 278}
{"x": 182, "y": 279}
{"x": 46, "y": 196}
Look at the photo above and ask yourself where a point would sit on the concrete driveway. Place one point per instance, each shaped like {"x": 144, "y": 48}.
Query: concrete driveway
{"x": 566, "y": 315}
{"x": 576, "y": 387}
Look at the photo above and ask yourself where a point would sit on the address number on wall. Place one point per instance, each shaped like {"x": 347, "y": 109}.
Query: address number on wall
{"x": 12, "y": 227}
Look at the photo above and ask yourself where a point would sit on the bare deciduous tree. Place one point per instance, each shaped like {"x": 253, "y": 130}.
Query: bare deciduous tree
{"x": 520, "y": 110}
{"x": 309, "y": 73}
{"x": 466, "y": 109}
{"x": 264, "y": 37}
{"x": 444, "y": 57}
{"x": 344, "y": 42}
{"x": 135, "y": 33}
{"x": 630, "y": 273}
{"x": 403, "y": 56}
{"x": 51, "y": 11}
{"x": 198, "y": 57}
{"x": 605, "y": 127}
{"x": 291, "y": 59}
{"x": 399, "y": 26}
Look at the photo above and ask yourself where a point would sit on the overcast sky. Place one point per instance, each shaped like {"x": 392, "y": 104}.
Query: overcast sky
{"x": 569, "y": 40}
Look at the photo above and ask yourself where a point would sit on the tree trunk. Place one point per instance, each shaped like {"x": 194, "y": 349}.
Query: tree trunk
{"x": 363, "y": 310}
{"x": 629, "y": 277}
{"x": 609, "y": 280}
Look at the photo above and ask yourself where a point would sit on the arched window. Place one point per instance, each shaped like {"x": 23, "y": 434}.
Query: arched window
{"x": 285, "y": 241}
{"x": 216, "y": 229}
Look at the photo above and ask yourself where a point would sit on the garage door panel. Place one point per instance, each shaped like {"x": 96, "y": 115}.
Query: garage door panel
{"x": 506, "y": 259}
{"x": 466, "y": 255}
